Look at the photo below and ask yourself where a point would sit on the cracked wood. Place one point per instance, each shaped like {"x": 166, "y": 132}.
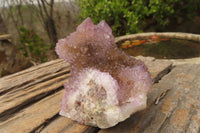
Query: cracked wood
{"x": 21, "y": 89}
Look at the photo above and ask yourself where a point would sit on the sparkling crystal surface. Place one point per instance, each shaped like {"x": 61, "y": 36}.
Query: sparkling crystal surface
{"x": 106, "y": 85}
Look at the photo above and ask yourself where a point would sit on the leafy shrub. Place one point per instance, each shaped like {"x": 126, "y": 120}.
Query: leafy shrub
{"x": 32, "y": 45}
{"x": 131, "y": 16}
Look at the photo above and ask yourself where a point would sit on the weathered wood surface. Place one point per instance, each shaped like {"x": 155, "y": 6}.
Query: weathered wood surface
{"x": 29, "y": 101}
{"x": 177, "y": 112}
{"x": 5, "y": 37}
{"x": 30, "y": 85}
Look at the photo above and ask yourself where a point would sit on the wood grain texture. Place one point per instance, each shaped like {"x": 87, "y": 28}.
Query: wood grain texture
{"x": 178, "y": 111}
{"x": 30, "y": 85}
{"x": 65, "y": 125}
{"x": 33, "y": 97}
{"x": 5, "y": 37}
{"x": 29, "y": 75}
{"x": 30, "y": 118}
{"x": 58, "y": 126}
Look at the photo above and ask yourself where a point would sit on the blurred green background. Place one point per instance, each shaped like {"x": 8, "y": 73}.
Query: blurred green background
{"x": 36, "y": 25}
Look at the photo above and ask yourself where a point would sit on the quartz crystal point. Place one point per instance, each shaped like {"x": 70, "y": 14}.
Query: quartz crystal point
{"x": 106, "y": 85}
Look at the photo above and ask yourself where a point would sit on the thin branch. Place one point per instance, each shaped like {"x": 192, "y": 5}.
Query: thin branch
{"x": 44, "y": 8}
{"x": 36, "y": 10}
{"x": 47, "y": 2}
{"x": 41, "y": 12}
{"x": 51, "y": 8}
{"x": 19, "y": 5}
{"x": 12, "y": 17}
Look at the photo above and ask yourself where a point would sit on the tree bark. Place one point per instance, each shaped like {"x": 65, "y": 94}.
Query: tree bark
{"x": 46, "y": 14}
{"x": 3, "y": 28}
{"x": 51, "y": 30}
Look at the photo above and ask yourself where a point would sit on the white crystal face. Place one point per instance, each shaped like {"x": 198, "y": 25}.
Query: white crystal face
{"x": 95, "y": 98}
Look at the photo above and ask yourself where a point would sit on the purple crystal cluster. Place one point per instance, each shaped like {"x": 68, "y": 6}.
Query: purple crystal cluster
{"x": 106, "y": 85}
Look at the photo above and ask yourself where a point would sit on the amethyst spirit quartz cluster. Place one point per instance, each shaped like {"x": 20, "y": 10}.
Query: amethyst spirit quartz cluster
{"x": 106, "y": 85}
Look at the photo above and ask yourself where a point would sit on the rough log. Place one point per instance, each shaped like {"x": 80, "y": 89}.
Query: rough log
{"x": 30, "y": 101}
{"x": 34, "y": 95}
{"x": 30, "y": 85}
{"x": 178, "y": 109}
{"x": 5, "y": 37}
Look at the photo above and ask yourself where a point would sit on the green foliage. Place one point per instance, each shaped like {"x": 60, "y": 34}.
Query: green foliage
{"x": 32, "y": 45}
{"x": 131, "y": 16}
